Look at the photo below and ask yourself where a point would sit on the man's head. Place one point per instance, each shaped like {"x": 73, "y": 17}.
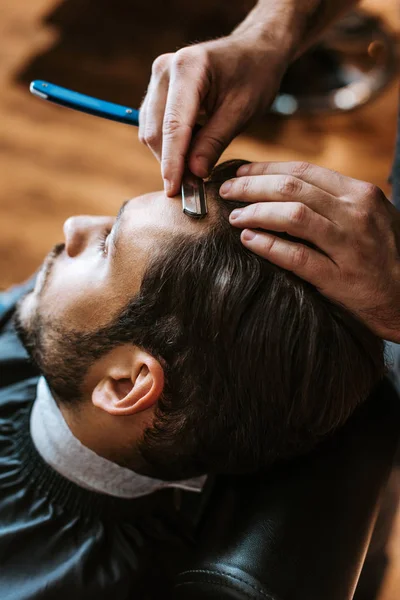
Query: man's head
{"x": 174, "y": 351}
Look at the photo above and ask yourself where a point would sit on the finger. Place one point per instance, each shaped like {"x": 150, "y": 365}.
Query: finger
{"x": 281, "y": 188}
{"x": 305, "y": 262}
{"x": 150, "y": 131}
{"x": 213, "y": 139}
{"x": 330, "y": 181}
{"x": 142, "y": 119}
{"x": 185, "y": 93}
{"x": 294, "y": 218}
{"x": 160, "y": 65}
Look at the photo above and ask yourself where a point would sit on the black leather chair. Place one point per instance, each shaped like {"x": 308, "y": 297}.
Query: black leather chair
{"x": 301, "y": 531}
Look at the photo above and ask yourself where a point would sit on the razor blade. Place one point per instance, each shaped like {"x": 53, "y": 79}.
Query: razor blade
{"x": 194, "y": 201}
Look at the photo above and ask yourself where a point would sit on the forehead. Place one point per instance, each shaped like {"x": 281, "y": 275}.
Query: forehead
{"x": 156, "y": 215}
{"x": 147, "y": 223}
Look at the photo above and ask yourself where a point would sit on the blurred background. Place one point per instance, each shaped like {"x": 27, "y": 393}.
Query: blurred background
{"x": 56, "y": 162}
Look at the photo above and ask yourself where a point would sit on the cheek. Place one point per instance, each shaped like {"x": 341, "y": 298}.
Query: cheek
{"x": 75, "y": 293}
{"x": 86, "y": 293}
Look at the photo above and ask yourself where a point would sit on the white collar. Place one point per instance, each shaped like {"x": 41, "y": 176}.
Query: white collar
{"x": 68, "y": 456}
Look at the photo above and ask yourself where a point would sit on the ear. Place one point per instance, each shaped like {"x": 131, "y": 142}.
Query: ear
{"x": 133, "y": 381}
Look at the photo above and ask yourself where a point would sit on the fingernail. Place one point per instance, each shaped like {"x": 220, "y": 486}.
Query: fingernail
{"x": 248, "y": 235}
{"x": 235, "y": 214}
{"x": 243, "y": 170}
{"x": 225, "y": 187}
{"x": 167, "y": 185}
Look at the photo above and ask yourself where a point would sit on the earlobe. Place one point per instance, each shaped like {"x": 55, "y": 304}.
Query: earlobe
{"x": 124, "y": 394}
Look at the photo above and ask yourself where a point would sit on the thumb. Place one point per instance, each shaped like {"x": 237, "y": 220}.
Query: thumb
{"x": 213, "y": 139}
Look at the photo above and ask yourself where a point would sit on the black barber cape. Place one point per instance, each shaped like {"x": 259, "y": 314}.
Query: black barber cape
{"x": 58, "y": 540}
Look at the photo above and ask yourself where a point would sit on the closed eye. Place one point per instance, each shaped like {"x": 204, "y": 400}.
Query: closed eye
{"x": 103, "y": 239}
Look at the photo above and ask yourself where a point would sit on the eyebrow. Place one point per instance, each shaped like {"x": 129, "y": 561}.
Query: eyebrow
{"x": 117, "y": 225}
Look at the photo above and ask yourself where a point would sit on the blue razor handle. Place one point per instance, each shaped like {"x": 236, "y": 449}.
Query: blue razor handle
{"x": 83, "y": 103}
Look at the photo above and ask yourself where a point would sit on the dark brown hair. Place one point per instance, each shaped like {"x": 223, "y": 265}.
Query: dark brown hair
{"x": 259, "y": 365}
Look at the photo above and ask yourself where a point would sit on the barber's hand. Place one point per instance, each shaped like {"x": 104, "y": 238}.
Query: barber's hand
{"x": 350, "y": 221}
{"x": 230, "y": 79}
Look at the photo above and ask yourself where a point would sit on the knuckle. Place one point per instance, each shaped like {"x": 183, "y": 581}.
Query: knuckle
{"x": 300, "y": 256}
{"x": 171, "y": 124}
{"x": 255, "y": 212}
{"x": 300, "y": 169}
{"x": 267, "y": 246}
{"x": 245, "y": 184}
{"x": 151, "y": 136}
{"x": 161, "y": 64}
{"x": 369, "y": 191}
{"x": 265, "y": 169}
{"x": 288, "y": 186}
{"x": 298, "y": 214}
{"x": 185, "y": 57}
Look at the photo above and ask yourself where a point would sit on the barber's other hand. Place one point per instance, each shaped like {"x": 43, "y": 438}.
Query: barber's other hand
{"x": 350, "y": 221}
{"x": 230, "y": 79}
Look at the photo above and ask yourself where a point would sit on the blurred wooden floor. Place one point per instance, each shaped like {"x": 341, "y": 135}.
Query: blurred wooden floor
{"x": 55, "y": 163}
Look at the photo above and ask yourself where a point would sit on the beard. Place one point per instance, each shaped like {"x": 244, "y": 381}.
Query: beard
{"x": 53, "y": 350}
{"x": 61, "y": 355}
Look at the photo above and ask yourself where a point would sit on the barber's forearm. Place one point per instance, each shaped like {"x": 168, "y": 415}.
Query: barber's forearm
{"x": 293, "y": 24}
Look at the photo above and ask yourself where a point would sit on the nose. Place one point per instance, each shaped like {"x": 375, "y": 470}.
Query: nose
{"x": 80, "y": 231}
{"x": 74, "y": 235}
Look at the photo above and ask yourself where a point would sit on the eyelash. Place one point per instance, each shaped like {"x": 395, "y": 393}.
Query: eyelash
{"x": 102, "y": 241}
